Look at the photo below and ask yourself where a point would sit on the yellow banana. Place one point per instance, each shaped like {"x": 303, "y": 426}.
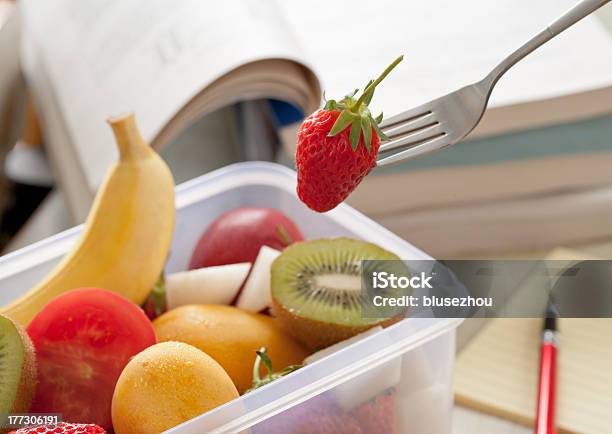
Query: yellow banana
{"x": 127, "y": 234}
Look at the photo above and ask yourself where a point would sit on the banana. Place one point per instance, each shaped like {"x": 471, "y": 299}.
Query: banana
{"x": 127, "y": 235}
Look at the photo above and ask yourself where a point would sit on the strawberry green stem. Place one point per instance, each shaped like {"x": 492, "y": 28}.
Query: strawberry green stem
{"x": 261, "y": 357}
{"x": 256, "y": 366}
{"x": 372, "y": 86}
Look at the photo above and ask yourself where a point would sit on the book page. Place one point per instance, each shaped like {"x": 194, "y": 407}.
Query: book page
{"x": 146, "y": 56}
{"x": 498, "y": 372}
{"x": 447, "y": 45}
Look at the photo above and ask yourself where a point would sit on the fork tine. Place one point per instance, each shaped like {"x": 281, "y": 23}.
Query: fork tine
{"x": 433, "y": 144}
{"x": 414, "y": 138}
{"x": 407, "y": 116}
{"x": 410, "y": 126}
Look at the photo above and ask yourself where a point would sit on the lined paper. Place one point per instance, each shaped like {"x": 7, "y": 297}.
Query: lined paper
{"x": 497, "y": 372}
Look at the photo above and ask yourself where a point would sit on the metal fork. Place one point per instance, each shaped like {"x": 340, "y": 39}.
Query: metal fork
{"x": 448, "y": 119}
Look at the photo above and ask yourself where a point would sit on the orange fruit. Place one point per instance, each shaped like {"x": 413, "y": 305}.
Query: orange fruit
{"x": 165, "y": 385}
{"x": 230, "y": 336}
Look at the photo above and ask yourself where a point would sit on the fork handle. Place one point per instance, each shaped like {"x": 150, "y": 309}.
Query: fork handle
{"x": 575, "y": 14}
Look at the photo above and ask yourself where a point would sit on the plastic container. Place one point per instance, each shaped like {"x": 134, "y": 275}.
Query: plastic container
{"x": 406, "y": 367}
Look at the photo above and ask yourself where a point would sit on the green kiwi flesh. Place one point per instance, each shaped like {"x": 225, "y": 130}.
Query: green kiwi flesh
{"x": 316, "y": 289}
{"x": 17, "y": 368}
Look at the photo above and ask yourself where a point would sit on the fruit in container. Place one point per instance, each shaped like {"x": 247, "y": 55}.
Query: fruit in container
{"x": 210, "y": 285}
{"x": 231, "y": 336}
{"x": 376, "y": 382}
{"x": 62, "y": 428}
{"x": 256, "y": 295}
{"x": 18, "y": 373}
{"x": 323, "y": 415}
{"x": 222, "y": 284}
{"x": 316, "y": 289}
{"x": 165, "y": 385}
{"x": 320, "y": 415}
{"x": 83, "y": 340}
{"x": 238, "y": 235}
{"x": 127, "y": 235}
{"x": 377, "y": 414}
{"x": 263, "y": 361}
{"x": 156, "y": 304}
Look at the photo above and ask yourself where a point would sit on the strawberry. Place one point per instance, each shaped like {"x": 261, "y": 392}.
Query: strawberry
{"x": 62, "y": 428}
{"x": 318, "y": 415}
{"x": 377, "y": 415}
{"x": 337, "y": 147}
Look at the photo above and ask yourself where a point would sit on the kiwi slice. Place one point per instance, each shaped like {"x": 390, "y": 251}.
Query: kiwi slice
{"x": 316, "y": 289}
{"x": 17, "y": 368}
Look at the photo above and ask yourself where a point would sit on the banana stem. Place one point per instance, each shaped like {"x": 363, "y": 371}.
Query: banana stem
{"x": 129, "y": 140}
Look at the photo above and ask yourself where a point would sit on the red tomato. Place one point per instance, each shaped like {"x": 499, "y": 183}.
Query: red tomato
{"x": 83, "y": 340}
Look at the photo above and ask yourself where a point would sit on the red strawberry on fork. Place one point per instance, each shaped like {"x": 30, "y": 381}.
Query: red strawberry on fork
{"x": 337, "y": 147}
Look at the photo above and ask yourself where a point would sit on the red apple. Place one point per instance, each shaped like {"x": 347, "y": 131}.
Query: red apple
{"x": 238, "y": 235}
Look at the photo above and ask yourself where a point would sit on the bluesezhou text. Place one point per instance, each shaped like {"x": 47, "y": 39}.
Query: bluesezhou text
{"x": 431, "y": 301}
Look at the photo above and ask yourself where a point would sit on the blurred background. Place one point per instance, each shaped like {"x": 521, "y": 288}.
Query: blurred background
{"x": 534, "y": 176}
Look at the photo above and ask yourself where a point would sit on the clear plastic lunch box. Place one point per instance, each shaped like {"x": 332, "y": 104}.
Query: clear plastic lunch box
{"x": 399, "y": 377}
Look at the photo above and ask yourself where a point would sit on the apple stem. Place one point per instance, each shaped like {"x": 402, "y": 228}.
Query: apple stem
{"x": 284, "y": 235}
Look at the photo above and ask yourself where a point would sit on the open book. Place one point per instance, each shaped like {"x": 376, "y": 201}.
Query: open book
{"x": 170, "y": 62}
{"x": 173, "y": 62}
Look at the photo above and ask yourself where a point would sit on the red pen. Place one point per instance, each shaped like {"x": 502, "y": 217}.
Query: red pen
{"x": 545, "y": 418}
